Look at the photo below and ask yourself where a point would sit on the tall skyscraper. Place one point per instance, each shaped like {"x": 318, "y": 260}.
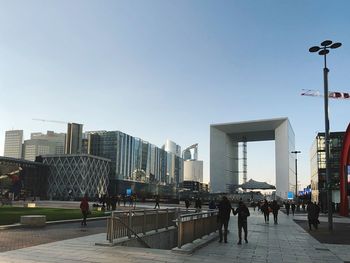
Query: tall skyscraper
{"x": 13, "y": 143}
{"x": 42, "y": 144}
{"x": 74, "y": 138}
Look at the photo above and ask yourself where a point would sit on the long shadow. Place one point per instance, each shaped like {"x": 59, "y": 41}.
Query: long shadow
{"x": 339, "y": 235}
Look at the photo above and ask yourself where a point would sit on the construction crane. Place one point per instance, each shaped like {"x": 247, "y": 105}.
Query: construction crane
{"x": 331, "y": 94}
{"x": 62, "y": 122}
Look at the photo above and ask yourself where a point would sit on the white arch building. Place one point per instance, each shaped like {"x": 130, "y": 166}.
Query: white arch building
{"x": 224, "y": 139}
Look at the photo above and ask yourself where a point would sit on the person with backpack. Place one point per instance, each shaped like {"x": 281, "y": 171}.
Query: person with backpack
{"x": 243, "y": 213}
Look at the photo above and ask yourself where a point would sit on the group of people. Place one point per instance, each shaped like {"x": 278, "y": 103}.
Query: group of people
{"x": 224, "y": 213}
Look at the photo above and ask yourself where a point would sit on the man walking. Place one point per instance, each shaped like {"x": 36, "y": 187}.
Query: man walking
{"x": 224, "y": 217}
{"x": 243, "y": 213}
{"x": 275, "y": 207}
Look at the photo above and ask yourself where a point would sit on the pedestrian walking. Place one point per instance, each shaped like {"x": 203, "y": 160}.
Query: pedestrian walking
{"x": 157, "y": 202}
{"x": 265, "y": 210}
{"x": 187, "y": 203}
{"x": 198, "y": 205}
{"x": 84, "y": 207}
{"x": 212, "y": 205}
{"x": 275, "y": 207}
{"x": 243, "y": 213}
{"x": 293, "y": 208}
{"x": 312, "y": 215}
{"x": 225, "y": 209}
{"x": 287, "y": 206}
{"x": 254, "y": 205}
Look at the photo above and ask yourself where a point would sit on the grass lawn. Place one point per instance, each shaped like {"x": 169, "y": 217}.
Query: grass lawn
{"x": 11, "y": 215}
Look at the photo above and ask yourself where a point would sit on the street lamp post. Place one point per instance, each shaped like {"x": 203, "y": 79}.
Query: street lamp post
{"x": 296, "y": 172}
{"x": 323, "y": 50}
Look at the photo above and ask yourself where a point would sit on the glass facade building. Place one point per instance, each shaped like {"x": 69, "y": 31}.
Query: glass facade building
{"x": 135, "y": 161}
{"x": 318, "y": 167}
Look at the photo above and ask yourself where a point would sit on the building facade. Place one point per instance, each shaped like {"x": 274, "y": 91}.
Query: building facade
{"x": 13, "y": 144}
{"x": 74, "y": 138}
{"x": 71, "y": 176}
{"x": 318, "y": 167}
{"x": 42, "y": 144}
{"x": 193, "y": 170}
{"x": 135, "y": 162}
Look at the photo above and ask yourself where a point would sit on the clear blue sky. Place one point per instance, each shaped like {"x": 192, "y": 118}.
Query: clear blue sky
{"x": 169, "y": 69}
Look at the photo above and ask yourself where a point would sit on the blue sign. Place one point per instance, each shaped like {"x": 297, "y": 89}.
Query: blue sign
{"x": 290, "y": 195}
{"x": 128, "y": 192}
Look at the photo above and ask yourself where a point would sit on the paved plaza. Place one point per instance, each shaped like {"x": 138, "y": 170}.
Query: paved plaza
{"x": 285, "y": 242}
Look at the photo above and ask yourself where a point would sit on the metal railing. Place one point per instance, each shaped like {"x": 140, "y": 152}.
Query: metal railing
{"x": 128, "y": 223}
{"x": 191, "y": 225}
{"x": 195, "y": 225}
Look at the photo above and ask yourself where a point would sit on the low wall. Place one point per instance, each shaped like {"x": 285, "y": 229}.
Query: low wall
{"x": 163, "y": 239}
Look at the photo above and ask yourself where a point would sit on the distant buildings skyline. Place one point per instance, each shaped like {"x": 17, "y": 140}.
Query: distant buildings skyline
{"x": 13, "y": 143}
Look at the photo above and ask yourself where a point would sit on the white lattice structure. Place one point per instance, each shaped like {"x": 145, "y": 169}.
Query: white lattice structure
{"x": 74, "y": 175}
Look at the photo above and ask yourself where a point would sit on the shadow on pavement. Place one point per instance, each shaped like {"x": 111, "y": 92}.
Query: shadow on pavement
{"x": 339, "y": 235}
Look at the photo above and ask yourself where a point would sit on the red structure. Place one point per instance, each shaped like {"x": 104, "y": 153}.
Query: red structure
{"x": 344, "y": 163}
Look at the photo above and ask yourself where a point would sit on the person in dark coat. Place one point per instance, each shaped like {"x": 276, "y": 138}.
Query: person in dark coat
{"x": 157, "y": 199}
{"x": 293, "y": 208}
{"x": 312, "y": 215}
{"x": 198, "y": 205}
{"x": 265, "y": 210}
{"x": 275, "y": 207}
{"x": 187, "y": 203}
{"x": 243, "y": 213}
{"x": 225, "y": 209}
{"x": 287, "y": 206}
{"x": 84, "y": 207}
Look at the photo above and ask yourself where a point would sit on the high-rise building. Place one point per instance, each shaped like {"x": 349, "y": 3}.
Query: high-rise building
{"x": 35, "y": 147}
{"x": 13, "y": 143}
{"x": 193, "y": 170}
{"x": 318, "y": 167}
{"x": 74, "y": 138}
{"x": 134, "y": 160}
{"x": 41, "y": 144}
{"x": 172, "y": 147}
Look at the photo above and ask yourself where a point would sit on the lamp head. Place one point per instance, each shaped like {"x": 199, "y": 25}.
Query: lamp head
{"x": 335, "y": 45}
{"x": 323, "y": 52}
{"x": 326, "y": 43}
{"x": 314, "y": 49}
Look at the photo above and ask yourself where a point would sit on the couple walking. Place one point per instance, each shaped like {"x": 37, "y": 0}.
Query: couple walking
{"x": 225, "y": 209}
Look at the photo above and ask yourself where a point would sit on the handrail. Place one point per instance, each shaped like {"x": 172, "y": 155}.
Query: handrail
{"x": 136, "y": 235}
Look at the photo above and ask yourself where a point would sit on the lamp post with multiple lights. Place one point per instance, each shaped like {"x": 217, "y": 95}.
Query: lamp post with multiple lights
{"x": 323, "y": 50}
{"x": 296, "y": 172}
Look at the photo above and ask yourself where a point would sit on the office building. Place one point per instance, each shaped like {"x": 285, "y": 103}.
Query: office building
{"x": 135, "y": 163}
{"x": 71, "y": 176}
{"x": 74, "y": 138}
{"x": 13, "y": 143}
{"x": 40, "y": 144}
{"x": 318, "y": 167}
{"x": 172, "y": 147}
{"x": 193, "y": 170}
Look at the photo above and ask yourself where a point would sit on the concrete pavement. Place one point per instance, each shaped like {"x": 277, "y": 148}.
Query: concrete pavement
{"x": 285, "y": 242}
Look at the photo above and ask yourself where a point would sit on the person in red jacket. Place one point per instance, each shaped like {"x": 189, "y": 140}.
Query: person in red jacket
{"x": 84, "y": 207}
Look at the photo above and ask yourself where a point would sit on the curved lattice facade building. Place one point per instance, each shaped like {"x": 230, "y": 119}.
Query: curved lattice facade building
{"x": 74, "y": 175}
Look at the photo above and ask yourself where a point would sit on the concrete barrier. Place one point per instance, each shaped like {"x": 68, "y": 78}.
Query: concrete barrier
{"x": 30, "y": 205}
{"x": 33, "y": 220}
